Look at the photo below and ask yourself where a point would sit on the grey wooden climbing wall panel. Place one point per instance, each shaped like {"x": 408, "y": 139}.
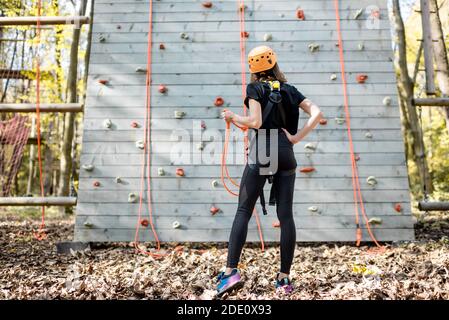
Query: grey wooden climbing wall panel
{"x": 205, "y": 64}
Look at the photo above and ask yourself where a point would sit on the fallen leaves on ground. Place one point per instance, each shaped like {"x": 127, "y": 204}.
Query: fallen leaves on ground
{"x": 31, "y": 269}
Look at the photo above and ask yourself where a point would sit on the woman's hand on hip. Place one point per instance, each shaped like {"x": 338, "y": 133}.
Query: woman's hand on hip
{"x": 294, "y": 139}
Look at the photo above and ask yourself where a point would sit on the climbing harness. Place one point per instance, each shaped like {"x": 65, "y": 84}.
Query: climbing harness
{"x": 146, "y": 155}
{"x": 358, "y": 199}
{"x": 40, "y": 233}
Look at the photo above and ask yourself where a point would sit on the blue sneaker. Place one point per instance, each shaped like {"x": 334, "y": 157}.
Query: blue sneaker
{"x": 228, "y": 282}
{"x": 284, "y": 285}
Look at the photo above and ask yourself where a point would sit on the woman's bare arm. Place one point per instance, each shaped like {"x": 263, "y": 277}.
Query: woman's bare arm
{"x": 315, "y": 116}
{"x": 253, "y": 120}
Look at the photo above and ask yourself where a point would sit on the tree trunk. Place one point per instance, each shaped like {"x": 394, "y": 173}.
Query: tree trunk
{"x": 406, "y": 92}
{"x": 69, "y": 118}
{"x": 439, "y": 50}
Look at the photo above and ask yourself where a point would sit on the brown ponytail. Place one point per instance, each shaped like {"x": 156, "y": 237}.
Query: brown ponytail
{"x": 273, "y": 74}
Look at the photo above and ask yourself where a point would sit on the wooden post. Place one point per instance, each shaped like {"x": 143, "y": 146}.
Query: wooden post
{"x": 433, "y": 206}
{"x": 432, "y": 102}
{"x": 37, "y": 201}
{"x": 428, "y": 49}
{"x": 31, "y": 107}
{"x": 29, "y": 21}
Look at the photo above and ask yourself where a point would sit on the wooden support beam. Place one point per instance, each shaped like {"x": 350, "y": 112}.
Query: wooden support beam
{"x": 57, "y": 20}
{"x": 31, "y": 107}
{"x": 428, "y": 47}
{"x": 431, "y": 102}
{"x": 433, "y": 206}
{"x": 37, "y": 201}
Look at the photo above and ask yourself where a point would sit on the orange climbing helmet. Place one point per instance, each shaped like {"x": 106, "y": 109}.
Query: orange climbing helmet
{"x": 261, "y": 58}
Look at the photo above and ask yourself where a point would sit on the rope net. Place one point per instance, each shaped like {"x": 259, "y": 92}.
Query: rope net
{"x": 14, "y": 135}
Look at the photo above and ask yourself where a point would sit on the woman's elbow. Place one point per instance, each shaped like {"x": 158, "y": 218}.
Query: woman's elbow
{"x": 257, "y": 124}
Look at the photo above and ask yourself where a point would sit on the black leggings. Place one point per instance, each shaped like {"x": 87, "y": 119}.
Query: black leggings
{"x": 250, "y": 188}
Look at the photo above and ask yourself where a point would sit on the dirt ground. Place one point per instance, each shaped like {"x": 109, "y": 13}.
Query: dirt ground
{"x": 30, "y": 269}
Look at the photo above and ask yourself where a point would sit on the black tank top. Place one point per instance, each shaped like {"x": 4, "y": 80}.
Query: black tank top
{"x": 291, "y": 98}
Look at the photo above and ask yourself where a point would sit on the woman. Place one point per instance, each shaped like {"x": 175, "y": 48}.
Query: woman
{"x": 273, "y": 104}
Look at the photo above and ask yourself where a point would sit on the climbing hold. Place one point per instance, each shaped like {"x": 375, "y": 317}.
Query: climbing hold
{"x": 267, "y": 37}
{"x": 361, "y": 46}
{"x": 358, "y": 14}
{"x": 160, "y": 172}
{"x": 313, "y": 209}
{"x": 357, "y": 157}
{"x": 179, "y": 114}
{"x": 203, "y": 125}
{"x": 200, "y": 146}
{"x": 140, "y": 144}
{"x": 371, "y": 180}
{"x": 398, "y": 207}
{"x": 107, "y": 123}
{"x": 118, "y": 180}
{"x": 214, "y": 210}
{"x": 323, "y": 122}
{"x": 313, "y": 47}
{"x": 340, "y": 120}
{"x": 88, "y": 167}
{"x": 132, "y": 197}
{"x": 96, "y": 184}
{"x": 219, "y": 101}
{"x": 162, "y": 88}
{"x": 245, "y": 34}
{"x": 176, "y": 225}
{"x": 88, "y": 224}
{"x": 276, "y": 224}
{"x": 307, "y": 170}
{"x": 140, "y": 69}
{"x": 281, "y": 15}
{"x": 387, "y": 101}
{"x": 310, "y": 146}
{"x": 369, "y": 135}
{"x": 361, "y": 78}
{"x": 207, "y": 4}
{"x": 300, "y": 14}
{"x": 333, "y": 77}
{"x": 243, "y": 7}
{"x": 144, "y": 223}
{"x": 161, "y": 46}
{"x": 180, "y": 172}
{"x": 375, "y": 221}
{"x": 134, "y": 124}
{"x": 184, "y": 36}
{"x": 215, "y": 183}
{"x": 102, "y": 38}
{"x": 103, "y": 82}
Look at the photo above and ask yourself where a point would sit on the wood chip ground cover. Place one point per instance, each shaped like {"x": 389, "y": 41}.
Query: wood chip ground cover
{"x": 30, "y": 269}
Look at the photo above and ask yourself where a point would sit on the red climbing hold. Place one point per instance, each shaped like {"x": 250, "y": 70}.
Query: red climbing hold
{"x": 276, "y": 224}
{"x": 207, "y": 4}
{"x": 103, "y": 82}
{"x": 357, "y": 157}
{"x": 203, "y": 125}
{"x": 300, "y": 14}
{"x": 323, "y": 122}
{"x": 245, "y": 34}
{"x": 134, "y": 124}
{"x": 219, "y": 101}
{"x": 307, "y": 169}
{"x": 180, "y": 172}
{"x": 161, "y": 46}
{"x": 96, "y": 183}
{"x": 162, "y": 88}
{"x": 214, "y": 210}
{"x": 361, "y": 78}
{"x": 398, "y": 207}
{"x": 144, "y": 223}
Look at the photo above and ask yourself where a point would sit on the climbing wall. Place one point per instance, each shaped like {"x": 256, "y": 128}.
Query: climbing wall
{"x": 196, "y": 59}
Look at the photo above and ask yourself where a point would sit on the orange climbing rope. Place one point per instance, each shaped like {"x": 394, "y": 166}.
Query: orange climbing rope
{"x": 358, "y": 199}
{"x": 40, "y": 234}
{"x": 224, "y": 168}
{"x": 146, "y": 156}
